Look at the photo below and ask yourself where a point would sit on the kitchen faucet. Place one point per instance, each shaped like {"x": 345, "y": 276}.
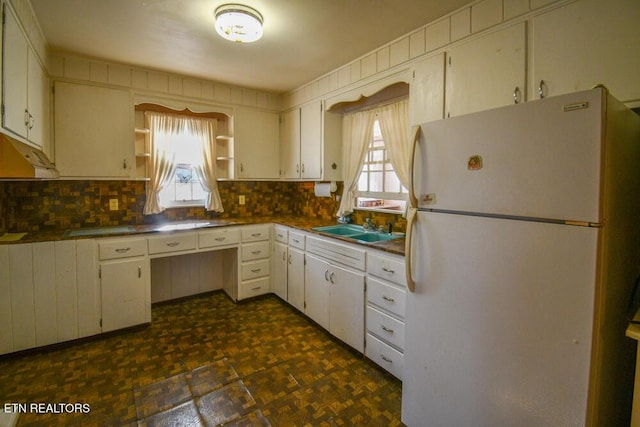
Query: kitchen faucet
{"x": 368, "y": 224}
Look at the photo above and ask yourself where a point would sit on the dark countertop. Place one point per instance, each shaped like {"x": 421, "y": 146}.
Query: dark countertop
{"x": 395, "y": 246}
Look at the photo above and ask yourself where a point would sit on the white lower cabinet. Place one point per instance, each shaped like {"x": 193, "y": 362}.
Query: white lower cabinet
{"x": 334, "y": 293}
{"x": 279, "y": 259}
{"x": 255, "y": 262}
{"x": 386, "y": 295}
{"x": 296, "y": 278}
{"x": 125, "y": 283}
{"x": 48, "y": 294}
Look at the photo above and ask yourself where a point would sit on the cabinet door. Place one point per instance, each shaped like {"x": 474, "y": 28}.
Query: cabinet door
{"x": 296, "y": 278}
{"x": 575, "y": 49}
{"x": 311, "y": 141}
{"x": 94, "y": 135}
{"x": 22, "y": 296}
{"x": 486, "y": 72}
{"x": 426, "y": 97}
{"x": 347, "y": 306}
{"x": 290, "y": 145}
{"x": 124, "y": 291}
{"x": 15, "y": 75}
{"x": 38, "y": 103}
{"x": 316, "y": 287}
{"x": 257, "y": 144}
{"x": 6, "y": 324}
{"x": 279, "y": 270}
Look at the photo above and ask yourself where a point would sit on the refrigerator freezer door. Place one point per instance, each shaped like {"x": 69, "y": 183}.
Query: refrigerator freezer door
{"x": 539, "y": 159}
{"x": 498, "y": 331}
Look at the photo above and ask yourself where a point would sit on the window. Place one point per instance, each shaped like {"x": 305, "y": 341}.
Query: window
{"x": 378, "y": 186}
{"x": 185, "y": 189}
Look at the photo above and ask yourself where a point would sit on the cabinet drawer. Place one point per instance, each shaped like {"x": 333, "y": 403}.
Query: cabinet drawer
{"x": 385, "y": 327}
{"x": 122, "y": 248}
{"x": 255, "y": 269}
{"x": 253, "y": 251}
{"x": 281, "y": 234}
{"x": 296, "y": 240}
{"x": 386, "y": 296}
{"x": 254, "y": 234}
{"x": 254, "y": 288}
{"x": 384, "y": 355}
{"x": 223, "y": 237}
{"x": 391, "y": 269}
{"x": 172, "y": 243}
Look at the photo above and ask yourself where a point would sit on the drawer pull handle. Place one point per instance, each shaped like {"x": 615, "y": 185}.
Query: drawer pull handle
{"x": 139, "y": 272}
{"x": 220, "y": 239}
{"x": 296, "y": 240}
{"x": 257, "y": 288}
{"x": 284, "y": 256}
{"x": 256, "y": 270}
{"x": 388, "y": 270}
{"x": 385, "y": 358}
{"x": 173, "y": 244}
{"x": 123, "y": 250}
{"x": 280, "y": 235}
{"x": 332, "y": 278}
{"x": 289, "y": 259}
{"x": 256, "y": 252}
{"x": 386, "y": 298}
{"x": 256, "y": 234}
{"x": 326, "y": 275}
{"x": 384, "y": 328}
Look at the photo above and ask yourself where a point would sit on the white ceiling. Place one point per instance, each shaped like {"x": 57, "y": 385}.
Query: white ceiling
{"x": 303, "y": 39}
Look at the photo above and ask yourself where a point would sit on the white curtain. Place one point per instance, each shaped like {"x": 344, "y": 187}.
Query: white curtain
{"x": 357, "y": 132}
{"x": 207, "y": 130}
{"x": 162, "y": 134}
{"x": 165, "y": 130}
{"x": 394, "y": 125}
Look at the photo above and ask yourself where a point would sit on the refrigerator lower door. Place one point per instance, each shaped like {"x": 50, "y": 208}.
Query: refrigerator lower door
{"x": 498, "y": 331}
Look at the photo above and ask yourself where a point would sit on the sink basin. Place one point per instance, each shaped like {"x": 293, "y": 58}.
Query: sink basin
{"x": 184, "y": 226}
{"x": 341, "y": 230}
{"x": 98, "y": 231}
{"x": 357, "y": 233}
{"x": 374, "y": 237}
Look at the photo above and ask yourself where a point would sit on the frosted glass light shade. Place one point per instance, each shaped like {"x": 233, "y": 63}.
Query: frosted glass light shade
{"x": 238, "y": 23}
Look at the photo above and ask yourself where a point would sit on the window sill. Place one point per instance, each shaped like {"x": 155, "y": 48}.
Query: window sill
{"x": 398, "y": 211}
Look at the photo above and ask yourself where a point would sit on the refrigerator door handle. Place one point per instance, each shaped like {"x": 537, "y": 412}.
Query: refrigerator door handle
{"x": 413, "y": 200}
{"x": 412, "y": 213}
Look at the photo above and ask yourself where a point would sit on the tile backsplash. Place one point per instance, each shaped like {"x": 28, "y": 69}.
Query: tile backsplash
{"x": 28, "y": 206}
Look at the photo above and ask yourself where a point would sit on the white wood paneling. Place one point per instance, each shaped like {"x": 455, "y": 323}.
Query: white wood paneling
{"x": 45, "y": 298}
{"x": 66, "y": 289}
{"x": 6, "y": 322}
{"x": 22, "y": 296}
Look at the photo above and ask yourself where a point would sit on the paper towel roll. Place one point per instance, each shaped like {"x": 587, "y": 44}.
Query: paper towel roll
{"x": 322, "y": 189}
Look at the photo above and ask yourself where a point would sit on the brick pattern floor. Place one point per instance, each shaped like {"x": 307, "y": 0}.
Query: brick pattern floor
{"x": 206, "y": 361}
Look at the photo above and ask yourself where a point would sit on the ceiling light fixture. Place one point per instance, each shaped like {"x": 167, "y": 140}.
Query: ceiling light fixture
{"x": 238, "y": 23}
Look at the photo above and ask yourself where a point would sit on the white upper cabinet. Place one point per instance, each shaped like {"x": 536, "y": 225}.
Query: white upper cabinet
{"x": 575, "y": 49}
{"x": 426, "y": 96}
{"x": 311, "y": 143}
{"x": 290, "y": 144}
{"x": 93, "y": 131}
{"x": 487, "y": 72}
{"x": 257, "y": 144}
{"x": 25, "y": 86}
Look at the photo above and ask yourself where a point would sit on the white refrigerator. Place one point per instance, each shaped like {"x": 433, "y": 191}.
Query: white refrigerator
{"x": 522, "y": 249}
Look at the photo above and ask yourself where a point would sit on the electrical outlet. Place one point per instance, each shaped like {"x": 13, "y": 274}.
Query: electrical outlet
{"x": 113, "y": 204}
{"x": 241, "y": 200}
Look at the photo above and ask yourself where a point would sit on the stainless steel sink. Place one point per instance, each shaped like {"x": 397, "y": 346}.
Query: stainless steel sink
{"x": 185, "y": 226}
{"x": 99, "y": 231}
{"x": 357, "y": 233}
